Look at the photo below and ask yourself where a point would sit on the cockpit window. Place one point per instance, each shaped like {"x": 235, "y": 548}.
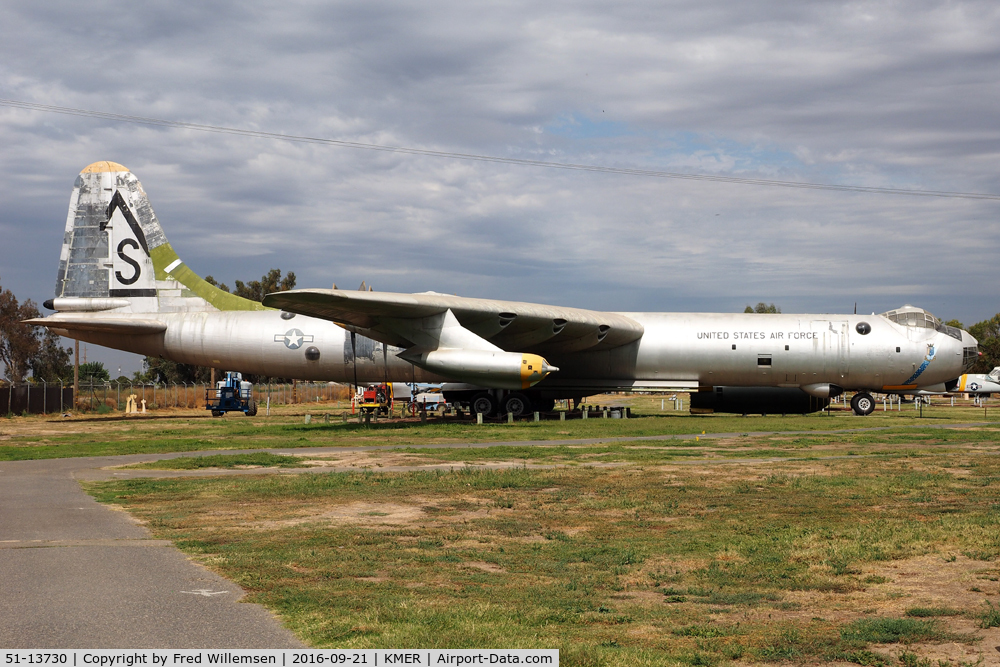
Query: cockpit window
{"x": 951, "y": 331}
{"x": 909, "y": 316}
{"x": 970, "y": 356}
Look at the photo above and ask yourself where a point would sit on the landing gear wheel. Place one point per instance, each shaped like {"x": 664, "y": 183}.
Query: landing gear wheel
{"x": 484, "y": 404}
{"x": 251, "y": 409}
{"x": 517, "y": 404}
{"x": 216, "y": 413}
{"x": 863, "y": 404}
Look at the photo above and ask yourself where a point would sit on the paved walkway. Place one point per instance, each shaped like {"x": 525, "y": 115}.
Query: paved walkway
{"x": 76, "y": 574}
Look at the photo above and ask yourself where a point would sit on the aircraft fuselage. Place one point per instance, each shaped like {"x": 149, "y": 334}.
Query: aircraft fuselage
{"x": 676, "y": 351}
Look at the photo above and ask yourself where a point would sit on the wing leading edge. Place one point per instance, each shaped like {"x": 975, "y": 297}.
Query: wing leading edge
{"x": 510, "y": 325}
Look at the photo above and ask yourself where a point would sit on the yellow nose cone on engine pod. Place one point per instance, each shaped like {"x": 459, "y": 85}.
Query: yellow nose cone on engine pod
{"x": 534, "y": 369}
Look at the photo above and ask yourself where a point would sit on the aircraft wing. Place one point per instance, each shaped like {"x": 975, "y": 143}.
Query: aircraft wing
{"x": 393, "y": 318}
{"x": 104, "y": 324}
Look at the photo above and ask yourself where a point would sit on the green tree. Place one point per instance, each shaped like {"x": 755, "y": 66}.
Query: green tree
{"x": 53, "y": 362}
{"x": 762, "y": 307}
{"x": 166, "y": 371}
{"x": 18, "y": 341}
{"x": 272, "y": 282}
{"x": 987, "y": 333}
{"x": 94, "y": 371}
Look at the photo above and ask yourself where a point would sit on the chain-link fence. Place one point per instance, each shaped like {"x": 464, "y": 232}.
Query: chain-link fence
{"x": 43, "y": 398}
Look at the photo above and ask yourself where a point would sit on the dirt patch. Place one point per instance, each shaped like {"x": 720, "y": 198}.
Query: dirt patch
{"x": 485, "y": 567}
{"x": 301, "y": 570}
{"x": 369, "y": 460}
{"x": 925, "y": 581}
{"x": 394, "y": 514}
{"x": 737, "y": 471}
{"x": 421, "y": 512}
{"x": 932, "y": 581}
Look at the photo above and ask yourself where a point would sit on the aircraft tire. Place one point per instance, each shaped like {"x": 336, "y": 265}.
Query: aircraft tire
{"x": 863, "y": 404}
{"x": 483, "y": 403}
{"x": 216, "y": 413}
{"x": 252, "y": 411}
{"x": 517, "y": 404}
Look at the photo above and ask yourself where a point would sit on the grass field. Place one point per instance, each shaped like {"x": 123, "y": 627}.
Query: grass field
{"x": 873, "y": 548}
{"x": 858, "y": 560}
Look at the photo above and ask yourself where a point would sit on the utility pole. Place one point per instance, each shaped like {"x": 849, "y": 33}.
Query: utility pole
{"x": 76, "y": 371}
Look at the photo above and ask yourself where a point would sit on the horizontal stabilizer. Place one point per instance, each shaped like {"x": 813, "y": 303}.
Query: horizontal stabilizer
{"x": 118, "y": 325}
{"x": 510, "y": 325}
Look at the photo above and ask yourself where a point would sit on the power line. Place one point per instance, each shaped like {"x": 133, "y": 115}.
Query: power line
{"x": 143, "y": 120}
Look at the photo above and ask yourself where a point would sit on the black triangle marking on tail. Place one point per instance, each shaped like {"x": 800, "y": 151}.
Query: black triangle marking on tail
{"x": 119, "y": 202}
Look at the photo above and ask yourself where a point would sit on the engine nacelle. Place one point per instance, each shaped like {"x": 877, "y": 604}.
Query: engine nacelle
{"x": 759, "y": 400}
{"x": 486, "y": 368}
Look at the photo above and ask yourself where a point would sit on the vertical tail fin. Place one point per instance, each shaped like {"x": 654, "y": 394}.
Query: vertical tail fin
{"x": 115, "y": 255}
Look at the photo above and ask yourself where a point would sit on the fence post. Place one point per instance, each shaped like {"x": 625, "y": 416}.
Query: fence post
{"x": 45, "y": 396}
{"x": 60, "y": 396}
{"x": 27, "y": 403}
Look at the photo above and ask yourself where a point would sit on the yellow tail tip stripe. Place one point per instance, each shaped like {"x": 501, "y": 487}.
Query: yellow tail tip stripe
{"x": 104, "y": 165}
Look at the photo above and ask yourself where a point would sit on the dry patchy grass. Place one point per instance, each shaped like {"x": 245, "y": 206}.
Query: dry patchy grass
{"x": 808, "y": 561}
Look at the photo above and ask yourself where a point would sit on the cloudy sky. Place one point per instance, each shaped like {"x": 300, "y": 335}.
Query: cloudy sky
{"x": 878, "y": 94}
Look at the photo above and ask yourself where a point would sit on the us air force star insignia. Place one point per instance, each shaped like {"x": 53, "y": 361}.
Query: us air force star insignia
{"x": 974, "y": 386}
{"x": 293, "y": 339}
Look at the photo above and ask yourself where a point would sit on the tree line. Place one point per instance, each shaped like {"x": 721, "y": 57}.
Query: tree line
{"x": 28, "y": 349}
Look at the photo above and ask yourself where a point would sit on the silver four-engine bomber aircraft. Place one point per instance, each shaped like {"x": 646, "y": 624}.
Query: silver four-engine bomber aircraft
{"x": 121, "y": 285}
